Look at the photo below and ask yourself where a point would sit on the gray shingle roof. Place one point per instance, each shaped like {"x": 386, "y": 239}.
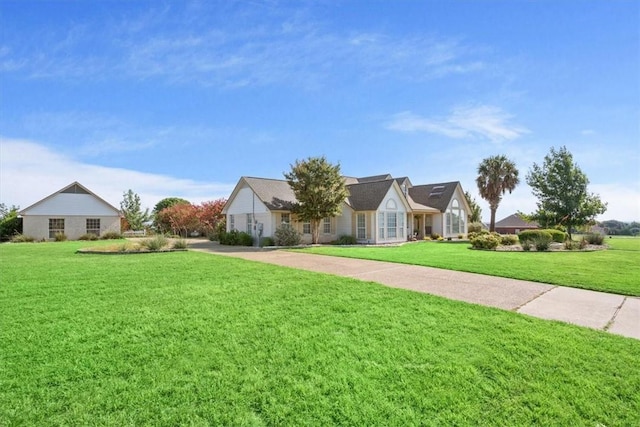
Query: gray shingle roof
{"x": 367, "y": 196}
{"x": 515, "y": 221}
{"x": 276, "y": 194}
{"x": 434, "y": 195}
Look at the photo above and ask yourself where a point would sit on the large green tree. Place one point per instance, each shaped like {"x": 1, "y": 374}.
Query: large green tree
{"x": 561, "y": 189}
{"x": 496, "y": 176}
{"x": 319, "y": 189}
{"x": 132, "y": 211}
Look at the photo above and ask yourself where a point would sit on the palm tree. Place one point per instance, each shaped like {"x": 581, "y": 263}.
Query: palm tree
{"x": 496, "y": 176}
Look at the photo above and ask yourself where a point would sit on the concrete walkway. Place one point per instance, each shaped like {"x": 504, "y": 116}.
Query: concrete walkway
{"x": 598, "y": 310}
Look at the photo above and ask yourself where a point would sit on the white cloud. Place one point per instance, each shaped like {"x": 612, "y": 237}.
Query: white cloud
{"x": 247, "y": 47}
{"x": 483, "y": 121}
{"x": 30, "y": 171}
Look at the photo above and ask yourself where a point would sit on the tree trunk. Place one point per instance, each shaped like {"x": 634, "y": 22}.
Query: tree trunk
{"x": 315, "y": 231}
{"x": 492, "y": 224}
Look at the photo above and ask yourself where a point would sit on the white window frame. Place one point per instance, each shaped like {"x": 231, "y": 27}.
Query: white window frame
{"x": 361, "y": 226}
{"x": 326, "y": 225}
{"x": 455, "y": 216}
{"x": 285, "y": 218}
{"x": 249, "y": 224}
{"x": 306, "y": 227}
{"x": 392, "y": 224}
{"x": 381, "y": 225}
{"x": 232, "y": 222}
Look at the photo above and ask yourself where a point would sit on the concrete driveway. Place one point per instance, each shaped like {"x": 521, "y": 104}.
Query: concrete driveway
{"x": 598, "y": 310}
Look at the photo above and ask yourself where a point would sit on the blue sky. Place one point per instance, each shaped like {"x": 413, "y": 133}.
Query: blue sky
{"x": 183, "y": 98}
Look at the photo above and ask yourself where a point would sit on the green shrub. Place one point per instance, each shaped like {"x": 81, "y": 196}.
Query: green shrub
{"x": 346, "y": 239}
{"x": 594, "y": 238}
{"x": 155, "y": 243}
{"x": 557, "y": 236}
{"x": 10, "y": 224}
{"x": 267, "y": 241}
{"x": 180, "y": 244}
{"x": 236, "y": 238}
{"x": 528, "y": 236}
{"x": 60, "y": 237}
{"x": 508, "y": 239}
{"x": 88, "y": 236}
{"x": 228, "y": 237}
{"x": 474, "y": 234}
{"x": 111, "y": 235}
{"x": 286, "y": 235}
{"x": 435, "y": 236}
{"x": 21, "y": 238}
{"x": 475, "y": 227}
{"x": 485, "y": 240}
{"x": 542, "y": 243}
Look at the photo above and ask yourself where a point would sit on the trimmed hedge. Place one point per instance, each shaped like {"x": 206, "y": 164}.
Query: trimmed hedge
{"x": 531, "y": 235}
{"x": 557, "y": 236}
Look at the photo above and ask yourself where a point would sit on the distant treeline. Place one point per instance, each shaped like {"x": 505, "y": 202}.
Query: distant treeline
{"x": 619, "y": 228}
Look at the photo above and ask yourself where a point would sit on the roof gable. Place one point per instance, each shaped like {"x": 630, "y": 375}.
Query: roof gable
{"x": 74, "y": 199}
{"x": 434, "y": 195}
{"x": 275, "y": 194}
{"x": 369, "y": 195}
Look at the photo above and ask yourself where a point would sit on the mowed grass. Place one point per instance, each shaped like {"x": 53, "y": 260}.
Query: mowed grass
{"x": 615, "y": 270}
{"x": 189, "y": 338}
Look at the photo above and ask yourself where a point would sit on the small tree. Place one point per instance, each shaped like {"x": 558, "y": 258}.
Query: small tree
{"x": 496, "y": 176}
{"x": 10, "y": 224}
{"x": 210, "y": 215}
{"x": 476, "y": 211}
{"x": 182, "y": 218}
{"x": 132, "y": 211}
{"x": 163, "y": 204}
{"x": 561, "y": 189}
{"x": 319, "y": 189}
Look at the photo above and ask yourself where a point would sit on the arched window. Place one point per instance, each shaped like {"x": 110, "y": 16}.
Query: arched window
{"x": 391, "y": 204}
{"x": 456, "y": 217}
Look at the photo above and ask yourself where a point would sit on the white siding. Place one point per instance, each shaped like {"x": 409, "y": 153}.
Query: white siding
{"x": 37, "y": 226}
{"x": 246, "y": 202}
{"x": 344, "y": 221}
{"x": 436, "y": 223}
{"x": 63, "y": 204}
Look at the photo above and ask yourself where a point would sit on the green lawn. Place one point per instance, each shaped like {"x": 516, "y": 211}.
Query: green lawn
{"x": 615, "y": 270}
{"x": 191, "y": 338}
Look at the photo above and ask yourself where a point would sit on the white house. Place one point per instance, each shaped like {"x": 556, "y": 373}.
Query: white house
{"x": 379, "y": 209}
{"x": 74, "y": 211}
